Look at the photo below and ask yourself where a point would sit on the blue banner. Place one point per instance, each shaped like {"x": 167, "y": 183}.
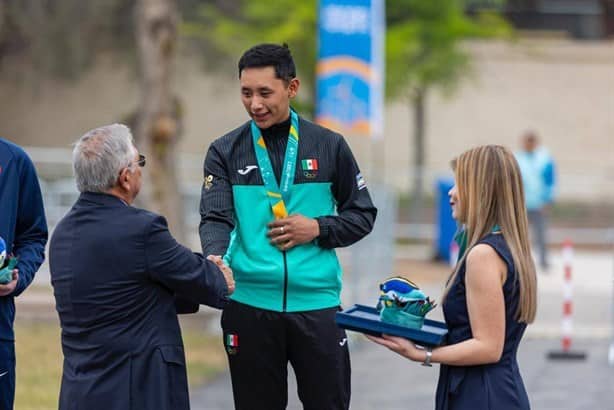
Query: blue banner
{"x": 350, "y": 66}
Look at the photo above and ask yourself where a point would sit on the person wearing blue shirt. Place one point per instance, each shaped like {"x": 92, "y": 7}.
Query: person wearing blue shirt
{"x": 538, "y": 178}
{"x": 24, "y": 228}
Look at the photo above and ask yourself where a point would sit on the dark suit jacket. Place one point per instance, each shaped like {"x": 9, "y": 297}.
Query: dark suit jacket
{"x": 115, "y": 270}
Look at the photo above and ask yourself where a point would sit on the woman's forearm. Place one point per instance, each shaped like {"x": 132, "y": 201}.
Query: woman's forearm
{"x": 471, "y": 352}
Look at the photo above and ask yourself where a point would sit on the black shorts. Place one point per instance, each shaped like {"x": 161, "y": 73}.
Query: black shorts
{"x": 260, "y": 343}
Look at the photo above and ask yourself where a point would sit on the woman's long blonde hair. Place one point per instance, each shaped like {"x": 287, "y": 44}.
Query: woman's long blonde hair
{"x": 490, "y": 191}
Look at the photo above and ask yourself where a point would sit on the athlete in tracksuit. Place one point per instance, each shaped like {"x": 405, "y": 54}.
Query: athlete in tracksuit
{"x": 288, "y": 277}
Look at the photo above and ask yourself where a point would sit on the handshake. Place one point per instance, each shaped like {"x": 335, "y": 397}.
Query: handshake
{"x": 226, "y": 271}
{"x": 214, "y": 296}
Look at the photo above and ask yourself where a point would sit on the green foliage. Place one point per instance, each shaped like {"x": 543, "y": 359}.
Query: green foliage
{"x": 63, "y": 38}
{"x": 423, "y": 43}
{"x": 228, "y": 32}
{"x": 485, "y": 4}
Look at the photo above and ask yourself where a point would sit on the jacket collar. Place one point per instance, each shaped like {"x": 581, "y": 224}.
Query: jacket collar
{"x": 101, "y": 198}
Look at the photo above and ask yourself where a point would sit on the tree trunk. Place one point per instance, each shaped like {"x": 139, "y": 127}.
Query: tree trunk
{"x": 157, "y": 121}
{"x": 417, "y": 188}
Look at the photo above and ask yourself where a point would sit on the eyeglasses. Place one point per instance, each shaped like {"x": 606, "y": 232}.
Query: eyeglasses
{"x": 141, "y": 161}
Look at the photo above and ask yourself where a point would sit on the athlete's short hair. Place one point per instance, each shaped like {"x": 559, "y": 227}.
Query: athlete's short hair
{"x": 270, "y": 55}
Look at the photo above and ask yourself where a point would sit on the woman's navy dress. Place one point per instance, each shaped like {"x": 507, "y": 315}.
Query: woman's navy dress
{"x": 496, "y": 386}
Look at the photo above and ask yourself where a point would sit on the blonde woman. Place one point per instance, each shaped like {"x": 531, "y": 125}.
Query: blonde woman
{"x": 490, "y": 296}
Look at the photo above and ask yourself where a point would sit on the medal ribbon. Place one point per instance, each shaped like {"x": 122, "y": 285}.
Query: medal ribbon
{"x": 277, "y": 195}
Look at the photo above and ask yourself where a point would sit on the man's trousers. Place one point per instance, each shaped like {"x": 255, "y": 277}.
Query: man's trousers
{"x": 260, "y": 343}
{"x": 7, "y": 374}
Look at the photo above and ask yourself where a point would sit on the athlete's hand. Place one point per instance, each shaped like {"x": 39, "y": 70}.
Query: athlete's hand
{"x": 293, "y": 230}
{"x": 226, "y": 271}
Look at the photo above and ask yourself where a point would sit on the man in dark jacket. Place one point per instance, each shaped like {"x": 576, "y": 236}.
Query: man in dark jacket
{"x": 115, "y": 270}
{"x": 24, "y": 229}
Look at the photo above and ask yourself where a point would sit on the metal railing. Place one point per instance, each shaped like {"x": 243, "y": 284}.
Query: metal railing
{"x": 59, "y": 193}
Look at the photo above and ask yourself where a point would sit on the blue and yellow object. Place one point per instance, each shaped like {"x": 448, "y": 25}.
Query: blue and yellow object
{"x": 401, "y": 302}
{"x": 7, "y": 264}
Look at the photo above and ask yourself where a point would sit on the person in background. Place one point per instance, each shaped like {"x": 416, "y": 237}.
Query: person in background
{"x": 280, "y": 193}
{"x": 24, "y": 229}
{"x": 115, "y": 271}
{"x": 539, "y": 180}
{"x": 490, "y": 296}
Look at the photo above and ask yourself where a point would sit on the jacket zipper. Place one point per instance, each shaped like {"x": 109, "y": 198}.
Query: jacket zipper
{"x": 285, "y": 299}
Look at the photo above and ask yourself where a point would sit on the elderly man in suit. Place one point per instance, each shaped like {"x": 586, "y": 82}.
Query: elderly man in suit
{"x": 116, "y": 271}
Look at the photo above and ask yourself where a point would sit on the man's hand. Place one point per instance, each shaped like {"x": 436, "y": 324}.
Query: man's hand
{"x": 8, "y": 288}
{"x": 226, "y": 271}
{"x": 293, "y": 230}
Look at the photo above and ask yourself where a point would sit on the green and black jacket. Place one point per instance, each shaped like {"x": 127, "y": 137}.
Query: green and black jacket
{"x": 235, "y": 211}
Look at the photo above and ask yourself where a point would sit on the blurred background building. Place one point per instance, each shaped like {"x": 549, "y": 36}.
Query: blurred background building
{"x": 554, "y": 75}
{"x": 458, "y": 73}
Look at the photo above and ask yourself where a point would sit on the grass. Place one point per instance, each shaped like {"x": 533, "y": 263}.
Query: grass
{"x": 39, "y": 365}
{"x": 205, "y": 355}
{"x": 39, "y": 361}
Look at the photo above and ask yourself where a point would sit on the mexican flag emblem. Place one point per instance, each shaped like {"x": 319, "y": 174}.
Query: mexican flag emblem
{"x": 310, "y": 164}
{"x": 232, "y": 340}
{"x": 232, "y": 344}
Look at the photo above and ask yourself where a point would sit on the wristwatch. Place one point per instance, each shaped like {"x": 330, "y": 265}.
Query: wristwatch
{"x": 427, "y": 358}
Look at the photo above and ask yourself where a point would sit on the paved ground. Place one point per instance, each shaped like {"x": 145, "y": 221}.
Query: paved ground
{"x": 572, "y": 385}
{"x": 552, "y": 385}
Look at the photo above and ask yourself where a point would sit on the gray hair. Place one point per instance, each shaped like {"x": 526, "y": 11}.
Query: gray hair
{"x": 99, "y": 156}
